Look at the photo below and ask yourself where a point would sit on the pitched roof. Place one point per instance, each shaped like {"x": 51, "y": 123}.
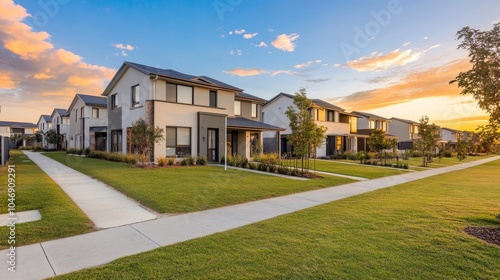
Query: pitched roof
{"x": 277, "y": 96}
{"x": 168, "y": 73}
{"x": 326, "y": 105}
{"x": 46, "y": 118}
{"x": 369, "y": 115}
{"x": 17, "y": 124}
{"x": 404, "y": 120}
{"x": 239, "y": 122}
{"x": 452, "y": 130}
{"x": 61, "y": 112}
{"x": 368, "y": 132}
{"x": 243, "y": 95}
{"x": 92, "y": 100}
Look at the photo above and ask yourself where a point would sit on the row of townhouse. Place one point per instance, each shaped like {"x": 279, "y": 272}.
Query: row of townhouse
{"x": 203, "y": 116}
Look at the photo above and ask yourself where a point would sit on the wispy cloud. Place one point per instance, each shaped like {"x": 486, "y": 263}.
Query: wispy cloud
{"x": 250, "y": 36}
{"x": 428, "y": 83}
{"x": 317, "y": 80}
{"x": 239, "y": 32}
{"x": 124, "y": 48}
{"x": 406, "y": 44}
{"x": 262, "y": 44}
{"x": 238, "y": 52}
{"x": 286, "y": 42}
{"x": 34, "y": 73}
{"x": 307, "y": 64}
{"x": 244, "y": 72}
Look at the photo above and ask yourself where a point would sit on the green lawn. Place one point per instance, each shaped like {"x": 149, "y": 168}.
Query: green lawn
{"x": 188, "y": 189}
{"x": 359, "y": 170}
{"x": 436, "y": 162}
{"x": 35, "y": 190}
{"x": 410, "y": 231}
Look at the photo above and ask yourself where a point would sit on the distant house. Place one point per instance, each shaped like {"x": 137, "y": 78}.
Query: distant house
{"x": 406, "y": 131}
{"x": 341, "y": 126}
{"x": 7, "y": 128}
{"x": 368, "y": 122}
{"x": 88, "y": 119}
{"x": 450, "y": 136}
{"x": 61, "y": 124}
{"x": 198, "y": 114}
{"x": 44, "y": 124}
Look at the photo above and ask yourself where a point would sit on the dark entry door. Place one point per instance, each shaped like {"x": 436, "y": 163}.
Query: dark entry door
{"x": 100, "y": 141}
{"x": 213, "y": 144}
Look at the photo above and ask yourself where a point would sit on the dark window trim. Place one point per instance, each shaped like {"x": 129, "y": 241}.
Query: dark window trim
{"x": 114, "y": 101}
{"x": 132, "y": 95}
{"x": 94, "y": 108}
{"x": 176, "y": 145}
{"x": 216, "y": 94}
{"x": 177, "y": 93}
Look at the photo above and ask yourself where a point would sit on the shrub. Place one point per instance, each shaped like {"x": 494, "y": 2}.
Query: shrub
{"x": 447, "y": 154}
{"x": 222, "y": 159}
{"x": 188, "y": 160}
{"x": 253, "y": 166}
{"x": 262, "y": 166}
{"x": 86, "y": 151}
{"x": 37, "y": 149}
{"x": 416, "y": 153}
{"x": 162, "y": 161}
{"x": 282, "y": 169}
{"x": 170, "y": 161}
{"x": 202, "y": 160}
{"x": 351, "y": 155}
{"x": 272, "y": 168}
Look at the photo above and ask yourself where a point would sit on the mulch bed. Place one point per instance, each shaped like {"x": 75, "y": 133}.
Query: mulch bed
{"x": 490, "y": 235}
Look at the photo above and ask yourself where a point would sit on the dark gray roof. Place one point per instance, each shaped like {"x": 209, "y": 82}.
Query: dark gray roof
{"x": 369, "y": 115}
{"x": 239, "y": 122}
{"x": 404, "y": 120}
{"x": 46, "y": 118}
{"x": 17, "y": 124}
{"x": 92, "y": 100}
{"x": 61, "y": 112}
{"x": 326, "y": 105}
{"x": 247, "y": 96}
{"x": 148, "y": 70}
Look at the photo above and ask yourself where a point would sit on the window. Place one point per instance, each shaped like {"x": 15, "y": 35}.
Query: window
{"x": 135, "y": 95}
{"x": 116, "y": 140}
{"x": 320, "y": 115}
{"x": 76, "y": 115}
{"x": 353, "y": 124}
{"x": 237, "y": 108}
{"x": 179, "y": 94}
{"x": 384, "y": 126}
{"x": 65, "y": 120}
{"x": 57, "y": 120}
{"x": 339, "y": 143}
{"x": 95, "y": 113}
{"x": 254, "y": 110}
{"x": 178, "y": 141}
{"x": 213, "y": 99}
{"x": 114, "y": 102}
{"x": 184, "y": 94}
{"x": 372, "y": 124}
{"x": 81, "y": 112}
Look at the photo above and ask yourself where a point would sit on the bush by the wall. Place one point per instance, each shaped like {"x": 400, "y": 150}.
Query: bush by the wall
{"x": 201, "y": 160}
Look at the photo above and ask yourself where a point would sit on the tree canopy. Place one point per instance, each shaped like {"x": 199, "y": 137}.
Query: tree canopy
{"x": 144, "y": 136}
{"x": 429, "y": 137}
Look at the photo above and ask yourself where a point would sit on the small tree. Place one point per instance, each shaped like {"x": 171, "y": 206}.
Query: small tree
{"x": 462, "y": 147}
{"x": 144, "y": 137}
{"x": 429, "y": 137}
{"x": 255, "y": 146}
{"x": 52, "y": 137}
{"x": 377, "y": 142}
{"x": 306, "y": 134}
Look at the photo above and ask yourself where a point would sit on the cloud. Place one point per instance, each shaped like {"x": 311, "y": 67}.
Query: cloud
{"x": 406, "y": 44}
{"x": 378, "y": 61}
{"x": 306, "y": 64}
{"x": 277, "y": 72}
{"x": 285, "y": 42}
{"x": 244, "y": 72}
{"x": 36, "y": 74}
{"x": 250, "y": 36}
{"x": 432, "y": 82}
{"x": 230, "y": 33}
{"x": 238, "y": 32}
{"x": 317, "y": 80}
{"x": 262, "y": 44}
{"x": 238, "y": 52}
{"x": 124, "y": 48}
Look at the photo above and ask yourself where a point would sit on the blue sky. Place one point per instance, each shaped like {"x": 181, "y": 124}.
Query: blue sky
{"x": 393, "y": 58}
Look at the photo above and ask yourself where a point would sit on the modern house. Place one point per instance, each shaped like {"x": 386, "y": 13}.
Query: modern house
{"x": 341, "y": 126}
{"x": 368, "y": 122}
{"x": 198, "y": 114}
{"x": 61, "y": 124}
{"x": 88, "y": 118}
{"x": 406, "y": 131}
{"x": 45, "y": 124}
{"x": 8, "y": 128}
{"x": 450, "y": 136}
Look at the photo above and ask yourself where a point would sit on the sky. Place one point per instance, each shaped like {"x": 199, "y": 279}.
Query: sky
{"x": 393, "y": 58}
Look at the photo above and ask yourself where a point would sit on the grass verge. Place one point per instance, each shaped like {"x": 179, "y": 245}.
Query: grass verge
{"x": 410, "y": 231}
{"x": 36, "y": 191}
{"x": 188, "y": 189}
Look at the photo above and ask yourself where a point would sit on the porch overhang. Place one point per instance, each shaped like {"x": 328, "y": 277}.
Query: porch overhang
{"x": 239, "y": 123}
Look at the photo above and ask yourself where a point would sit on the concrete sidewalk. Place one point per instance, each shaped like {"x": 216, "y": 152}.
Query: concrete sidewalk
{"x": 105, "y": 206}
{"x": 66, "y": 255}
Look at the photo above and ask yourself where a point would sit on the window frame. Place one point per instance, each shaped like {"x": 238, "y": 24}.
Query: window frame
{"x": 212, "y": 94}
{"x": 239, "y": 108}
{"x": 94, "y": 109}
{"x": 176, "y": 93}
{"x": 177, "y": 147}
{"x": 118, "y": 144}
{"x": 135, "y": 98}
{"x": 253, "y": 113}
{"x": 114, "y": 101}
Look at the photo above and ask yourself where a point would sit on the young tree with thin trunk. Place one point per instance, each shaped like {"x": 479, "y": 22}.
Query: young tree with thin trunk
{"x": 377, "y": 142}
{"x": 144, "y": 137}
{"x": 429, "y": 138}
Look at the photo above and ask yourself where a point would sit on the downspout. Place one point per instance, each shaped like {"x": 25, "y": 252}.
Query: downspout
{"x": 225, "y": 143}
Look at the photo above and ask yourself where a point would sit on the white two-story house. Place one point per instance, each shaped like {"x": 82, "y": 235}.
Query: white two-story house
{"x": 45, "y": 124}
{"x": 368, "y": 122}
{"x": 406, "y": 131}
{"x": 8, "y": 128}
{"x": 198, "y": 115}
{"x": 341, "y": 126}
{"x": 450, "y": 136}
{"x": 61, "y": 124}
{"x": 88, "y": 118}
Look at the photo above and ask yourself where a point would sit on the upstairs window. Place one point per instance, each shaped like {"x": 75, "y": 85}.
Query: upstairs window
{"x": 179, "y": 94}
{"x": 372, "y": 124}
{"x": 114, "y": 102}
{"x": 82, "y": 112}
{"x": 95, "y": 113}
{"x": 213, "y": 99}
{"x": 135, "y": 96}
{"x": 237, "y": 108}
{"x": 254, "y": 110}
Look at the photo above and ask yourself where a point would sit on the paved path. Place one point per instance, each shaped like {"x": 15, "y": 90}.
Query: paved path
{"x": 105, "y": 206}
{"x": 70, "y": 254}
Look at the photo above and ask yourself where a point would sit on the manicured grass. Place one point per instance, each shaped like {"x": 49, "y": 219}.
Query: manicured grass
{"x": 35, "y": 190}
{"x": 411, "y": 231}
{"x": 436, "y": 162}
{"x": 188, "y": 189}
{"x": 359, "y": 170}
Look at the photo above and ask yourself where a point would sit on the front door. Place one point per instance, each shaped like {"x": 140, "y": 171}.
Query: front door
{"x": 213, "y": 144}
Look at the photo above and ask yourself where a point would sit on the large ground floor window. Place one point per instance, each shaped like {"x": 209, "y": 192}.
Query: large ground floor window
{"x": 178, "y": 141}
{"x": 116, "y": 140}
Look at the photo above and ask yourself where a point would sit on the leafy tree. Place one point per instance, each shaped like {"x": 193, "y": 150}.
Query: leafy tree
{"x": 306, "y": 134}
{"x": 429, "y": 137}
{"x": 377, "y": 142}
{"x": 255, "y": 146}
{"x": 52, "y": 137}
{"x": 14, "y": 138}
{"x": 462, "y": 147}
{"x": 483, "y": 80}
{"x": 144, "y": 136}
